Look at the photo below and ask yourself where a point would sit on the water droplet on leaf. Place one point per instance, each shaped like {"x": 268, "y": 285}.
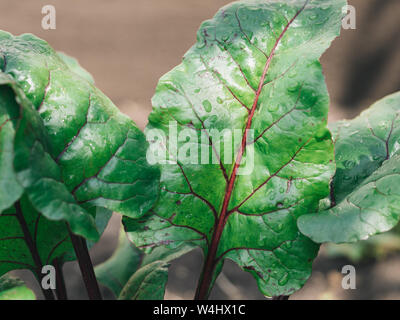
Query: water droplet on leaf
{"x": 349, "y": 164}
{"x": 273, "y": 107}
{"x": 284, "y": 279}
{"x": 207, "y": 105}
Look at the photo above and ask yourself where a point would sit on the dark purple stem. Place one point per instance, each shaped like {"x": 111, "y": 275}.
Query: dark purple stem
{"x": 86, "y": 266}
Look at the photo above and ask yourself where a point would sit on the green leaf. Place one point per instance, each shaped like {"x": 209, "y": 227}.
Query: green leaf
{"x": 100, "y": 151}
{"x": 74, "y": 65}
{"x": 116, "y": 271}
{"x": 366, "y": 186}
{"x": 31, "y": 166}
{"x": 255, "y": 66}
{"x": 8, "y": 178}
{"x": 37, "y": 233}
{"x": 376, "y": 136}
{"x": 14, "y": 289}
{"x": 128, "y": 270}
{"x": 147, "y": 284}
{"x": 150, "y": 280}
{"x": 378, "y": 247}
{"x": 30, "y": 241}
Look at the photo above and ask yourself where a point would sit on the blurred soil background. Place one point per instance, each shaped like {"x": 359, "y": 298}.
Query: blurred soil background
{"x": 128, "y": 45}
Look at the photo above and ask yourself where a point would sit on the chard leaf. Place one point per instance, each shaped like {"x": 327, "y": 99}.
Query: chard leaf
{"x": 36, "y": 234}
{"x": 137, "y": 274}
{"x": 100, "y": 151}
{"x": 14, "y": 289}
{"x": 255, "y": 70}
{"x": 30, "y": 241}
{"x": 32, "y": 168}
{"x": 150, "y": 280}
{"x": 365, "y": 190}
{"x": 148, "y": 283}
{"x": 74, "y": 66}
{"x": 8, "y": 178}
{"x": 116, "y": 271}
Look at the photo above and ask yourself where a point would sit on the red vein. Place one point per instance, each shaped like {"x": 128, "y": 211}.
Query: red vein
{"x": 389, "y": 137}
{"x": 195, "y": 194}
{"x": 12, "y": 238}
{"x": 102, "y": 167}
{"x": 216, "y": 154}
{"x": 253, "y": 249}
{"x": 190, "y": 186}
{"x": 28, "y": 238}
{"x": 6, "y": 121}
{"x": 273, "y": 175}
{"x": 54, "y": 249}
{"x": 237, "y": 64}
{"x": 218, "y": 76}
{"x": 7, "y": 215}
{"x": 264, "y": 213}
{"x": 385, "y": 141}
{"x": 203, "y": 129}
{"x": 46, "y": 89}
{"x": 77, "y": 134}
{"x": 282, "y": 74}
{"x": 280, "y": 118}
{"x": 245, "y": 34}
{"x": 5, "y": 62}
{"x": 32, "y": 248}
{"x": 20, "y": 263}
{"x": 204, "y": 236}
{"x": 208, "y": 136}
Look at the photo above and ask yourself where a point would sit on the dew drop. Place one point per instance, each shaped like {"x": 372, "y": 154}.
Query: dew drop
{"x": 207, "y": 105}
{"x": 201, "y": 44}
{"x": 285, "y": 278}
{"x": 287, "y": 245}
{"x": 322, "y": 134}
{"x": 325, "y": 8}
{"x": 273, "y": 107}
{"x": 313, "y": 17}
{"x": 225, "y": 37}
{"x": 349, "y": 164}
{"x": 293, "y": 89}
{"x": 299, "y": 184}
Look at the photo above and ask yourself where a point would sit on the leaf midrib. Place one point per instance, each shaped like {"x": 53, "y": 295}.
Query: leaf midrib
{"x": 224, "y": 214}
